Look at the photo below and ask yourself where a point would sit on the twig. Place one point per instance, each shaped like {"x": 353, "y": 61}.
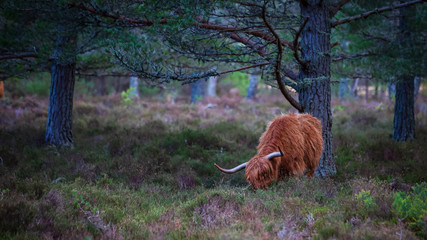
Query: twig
{"x": 244, "y": 68}
{"x": 249, "y": 43}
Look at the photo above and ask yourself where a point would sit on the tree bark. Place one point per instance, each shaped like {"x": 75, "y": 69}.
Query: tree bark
{"x": 1, "y": 89}
{"x": 404, "y": 120}
{"x": 417, "y": 84}
{"x": 212, "y": 82}
{"x": 198, "y": 90}
{"x": 354, "y": 87}
{"x": 391, "y": 90}
{"x": 314, "y": 77}
{"x": 252, "y": 87}
{"x": 59, "y": 117}
{"x": 343, "y": 88}
{"x": 366, "y": 89}
{"x": 377, "y": 84}
{"x": 133, "y": 83}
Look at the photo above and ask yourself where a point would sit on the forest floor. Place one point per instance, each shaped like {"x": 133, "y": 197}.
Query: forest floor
{"x": 145, "y": 170}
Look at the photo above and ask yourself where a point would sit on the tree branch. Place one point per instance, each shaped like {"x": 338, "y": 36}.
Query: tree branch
{"x": 204, "y": 25}
{"x": 296, "y": 45}
{"x": 282, "y": 88}
{"x": 345, "y": 56}
{"x": 244, "y": 68}
{"x": 18, "y": 56}
{"x": 378, "y": 10}
{"x": 259, "y": 49}
{"x": 338, "y": 6}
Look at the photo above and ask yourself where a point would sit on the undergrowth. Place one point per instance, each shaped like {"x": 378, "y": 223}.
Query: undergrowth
{"x": 146, "y": 171}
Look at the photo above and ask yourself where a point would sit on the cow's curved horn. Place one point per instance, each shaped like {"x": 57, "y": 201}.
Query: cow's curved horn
{"x": 233, "y": 170}
{"x": 275, "y": 154}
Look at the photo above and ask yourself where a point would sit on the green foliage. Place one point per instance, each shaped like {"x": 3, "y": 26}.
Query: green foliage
{"x": 80, "y": 203}
{"x": 148, "y": 91}
{"x": 237, "y": 80}
{"x": 366, "y": 198}
{"x": 126, "y": 96}
{"x": 412, "y": 207}
{"x": 3, "y": 192}
{"x": 83, "y": 87}
{"x": 38, "y": 85}
{"x": 339, "y": 108}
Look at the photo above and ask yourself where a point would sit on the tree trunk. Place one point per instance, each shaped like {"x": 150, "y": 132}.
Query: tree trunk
{"x": 417, "y": 84}
{"x": 366, "y": 89}
{"x": 404, "y": 120}
{"x": 59, "y": 117}
{"x": 212, "y": 81}
{"x": 59, "y": 120}
{"x": 382, "y": 92}
{"x": 252, "y": 88}
{"x": 391, "y": 90}
{"x": 343, "y": 88}
{"x": 354, "y": 87}
{"x": 134, "y": 85}
{"x": 1, "y": 89}
{"x": 198, "y": 90}
{"x": 314, "y": 77}
{"x": 376, "y": 89}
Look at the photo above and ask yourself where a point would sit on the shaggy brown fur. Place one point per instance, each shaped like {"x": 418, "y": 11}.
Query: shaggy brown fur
{"x": 299, "y": 136}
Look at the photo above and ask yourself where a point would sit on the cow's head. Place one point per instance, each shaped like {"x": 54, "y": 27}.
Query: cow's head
{"x": 260, "y": 170}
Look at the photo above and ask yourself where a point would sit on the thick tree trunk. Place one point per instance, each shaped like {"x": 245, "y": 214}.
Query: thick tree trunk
{"x": 252, "y": 87}
{"x": 404, "y": 120}
{"x": 314, "y": 78}
{"x": 198, "y": 90}
{"x": 59, "y": 120}
{"x": 59, "y": 117}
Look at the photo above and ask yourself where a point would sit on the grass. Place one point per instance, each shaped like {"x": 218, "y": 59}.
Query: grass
{"x": 145, "y": 171}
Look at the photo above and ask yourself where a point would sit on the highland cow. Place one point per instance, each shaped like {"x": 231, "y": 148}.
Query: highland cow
{"x": 298, "y": 137}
